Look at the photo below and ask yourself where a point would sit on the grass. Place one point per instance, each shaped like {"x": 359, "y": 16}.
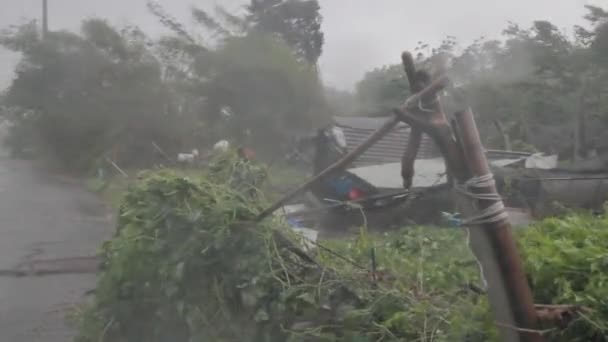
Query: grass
{"x": 110, "y": 189}
{"x": 283, "y": 178}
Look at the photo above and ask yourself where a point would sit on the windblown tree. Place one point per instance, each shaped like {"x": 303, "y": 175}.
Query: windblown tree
{"x": 544, "y": 90}
{"x": 270, "y": 93}
{"x": 251, "y": 84}
{"x": 90, "y": 94}
{"x": 382, "y": 89}
{"x": 297, "y": 22}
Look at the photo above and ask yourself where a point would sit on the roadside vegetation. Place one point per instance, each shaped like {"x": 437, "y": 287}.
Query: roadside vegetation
{"x": 188, "y": 264}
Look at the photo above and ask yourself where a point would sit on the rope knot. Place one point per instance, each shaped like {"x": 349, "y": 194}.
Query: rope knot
{"x": 493, "y": 213}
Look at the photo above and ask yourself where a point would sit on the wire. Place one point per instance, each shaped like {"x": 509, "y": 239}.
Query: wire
{"x": 338, "y": 255}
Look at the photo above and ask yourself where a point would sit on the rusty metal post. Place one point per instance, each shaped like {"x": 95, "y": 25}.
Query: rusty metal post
{"x": 496, "y": 250}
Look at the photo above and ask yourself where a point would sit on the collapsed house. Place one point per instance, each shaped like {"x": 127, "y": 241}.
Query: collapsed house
{"x": 529, "y": 182}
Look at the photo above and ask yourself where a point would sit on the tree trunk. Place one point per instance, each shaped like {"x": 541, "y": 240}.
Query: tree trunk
{"x": 505, "y": 137}
{"x": 580, "y": 139}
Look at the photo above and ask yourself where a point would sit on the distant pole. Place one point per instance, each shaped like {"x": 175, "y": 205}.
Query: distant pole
{"x": 45, "y": 18}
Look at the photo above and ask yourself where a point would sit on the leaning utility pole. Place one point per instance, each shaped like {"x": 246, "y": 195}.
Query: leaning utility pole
{"x": 491, "y": 240}
{"x": 45, "y": 18}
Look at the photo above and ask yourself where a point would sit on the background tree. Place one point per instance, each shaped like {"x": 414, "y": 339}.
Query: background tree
{"x": 271, "y": 95}
{"x": 382, "y": 89}
{"x": 91, "y": 94}
{"x": 297, "y": 22}
{"x": 545, "y": 89}
{"x": 252, "y": 87}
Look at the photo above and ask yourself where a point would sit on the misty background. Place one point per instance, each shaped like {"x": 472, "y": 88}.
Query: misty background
{"x": 359, "y": 35}
{"x": 109, "y": 79}
{"x": 127, "y": 97}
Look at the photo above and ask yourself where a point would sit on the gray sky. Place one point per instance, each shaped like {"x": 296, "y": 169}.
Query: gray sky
{"x": 360, "y": 34}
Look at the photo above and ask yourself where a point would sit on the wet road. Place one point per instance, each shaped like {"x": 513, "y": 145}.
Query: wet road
{"x": 43, "y": 216}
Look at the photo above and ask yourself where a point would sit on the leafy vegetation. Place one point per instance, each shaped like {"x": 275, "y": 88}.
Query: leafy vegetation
{"x": 261, "y": 81}
{"x": 251, "y": 77}
{"x": 108, "y": 92}
{"x": 382, "y": 89}
{"x": 543, "y": 87}
{"x": 188, "y": 264}
{"x": 567, "y": 262}
{"x": 298, "y": 23}
{"x": 81, "y": 96}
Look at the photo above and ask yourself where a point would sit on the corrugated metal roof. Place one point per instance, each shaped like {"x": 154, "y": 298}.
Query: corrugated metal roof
{"x": 389, "y": 149}
{"x": 428, "y": 172}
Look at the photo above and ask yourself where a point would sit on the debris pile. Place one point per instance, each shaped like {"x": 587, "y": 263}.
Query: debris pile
{"x": 187, "y": 266}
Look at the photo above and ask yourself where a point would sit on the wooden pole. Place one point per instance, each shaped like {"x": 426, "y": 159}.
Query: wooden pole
{"x": 417, "y": 82}
{"x": 495, "y": 248}
{"x": 340, "y": 164}
{"x": 432, "y": 88}
{"x": 111, "y": 162}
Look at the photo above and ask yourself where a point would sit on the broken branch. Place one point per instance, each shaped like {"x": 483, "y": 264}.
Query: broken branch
{"x": 418, "y": 79}
{"x": 432, "y": 88}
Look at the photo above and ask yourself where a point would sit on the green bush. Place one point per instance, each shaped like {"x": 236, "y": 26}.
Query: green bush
{"x": 187, "y": 264}
{"x": 567, "y": 263}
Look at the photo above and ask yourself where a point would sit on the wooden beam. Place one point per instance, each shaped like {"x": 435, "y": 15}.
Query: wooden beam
{"x": 509, "y": 293}
{"x": 432, "y": 88}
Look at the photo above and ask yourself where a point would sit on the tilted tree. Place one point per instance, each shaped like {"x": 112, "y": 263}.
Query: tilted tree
{"x": 252, "y": 86}
{"x": 92, "y": 93}
{"x": 297, "y": 22}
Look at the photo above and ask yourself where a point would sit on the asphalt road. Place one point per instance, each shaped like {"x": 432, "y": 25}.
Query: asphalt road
{"x": 43, "y": 216}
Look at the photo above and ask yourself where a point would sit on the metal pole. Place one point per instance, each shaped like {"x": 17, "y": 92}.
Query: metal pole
{"x": 45, "y": 18}
{"x": 501, "y": 248}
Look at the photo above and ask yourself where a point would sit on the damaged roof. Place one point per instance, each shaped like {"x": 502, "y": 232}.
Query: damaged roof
{"x": 431, "y": 172}
{"x": 389, "y": 149}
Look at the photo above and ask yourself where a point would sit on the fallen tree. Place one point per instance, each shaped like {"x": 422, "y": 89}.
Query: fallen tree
{"x": 188, "y": 264}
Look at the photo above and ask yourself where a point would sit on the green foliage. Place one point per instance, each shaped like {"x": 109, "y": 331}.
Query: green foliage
{"x": 567, "y": 262}
{"x": 382, "y": 89}
{"x": 188, "y": 264}
{"x": 297, "y": 22}
{"x": 185, "y": 265}
{"x": 261, "y": 81}
{"x": 536, "y": 81}
{"x": 257, "y": 70}
{"x": 426, "y": 295}
{"x": 79, "y": 97}
{"x": 241, "y": 175}
{"x": 85, "y": 95}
